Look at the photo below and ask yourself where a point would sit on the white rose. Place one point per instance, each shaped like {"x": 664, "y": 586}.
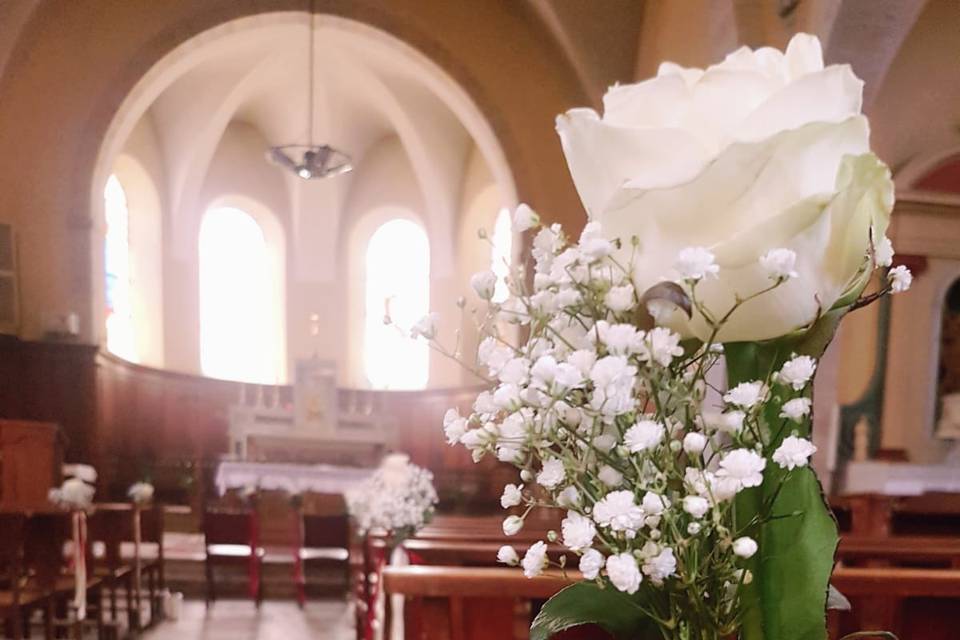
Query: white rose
{"x": 744, "y": 547}
{"x": 624, "y": 573}
{"x": 524, "y": 218}
{"x": 508, "y": 555}
{"x": 590, "y": 564}
{"x": 764, "y": 150}
{"x": 484, "y": 283}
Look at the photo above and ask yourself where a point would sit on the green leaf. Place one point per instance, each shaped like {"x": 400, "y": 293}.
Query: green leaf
{"x": 788, "y": 596}
{"x": 587, "y": 603}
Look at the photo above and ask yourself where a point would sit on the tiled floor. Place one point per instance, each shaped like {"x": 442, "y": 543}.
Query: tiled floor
{"x": 276, "y": 620}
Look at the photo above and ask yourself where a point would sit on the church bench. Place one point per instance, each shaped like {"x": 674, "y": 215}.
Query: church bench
{"x": 471, "y": 603}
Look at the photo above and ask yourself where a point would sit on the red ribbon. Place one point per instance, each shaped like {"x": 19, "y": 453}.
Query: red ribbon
{"x": 80, "y": 563}
{"x": 253, "y": 572}
{"x": 377, "y": 556}
{"x": 298, "y": 578}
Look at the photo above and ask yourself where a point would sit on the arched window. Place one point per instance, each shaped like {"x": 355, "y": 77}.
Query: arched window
{"x": 241, "y": 331}
{"x": 398, "y": 288}
{"x": 121, "y": 338}
{"x": 501, "y": 254}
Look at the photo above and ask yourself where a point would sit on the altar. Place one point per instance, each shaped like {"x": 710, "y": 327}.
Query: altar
{"x": 323, "y": 424}
{"x": 292, "y": 478}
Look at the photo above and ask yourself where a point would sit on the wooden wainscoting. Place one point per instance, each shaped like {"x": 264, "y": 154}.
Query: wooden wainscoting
{"x": 131, "y": 421}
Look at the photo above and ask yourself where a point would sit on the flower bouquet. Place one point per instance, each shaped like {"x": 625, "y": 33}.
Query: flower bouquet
{"x": 662, "y": 395}
{"x": 398, "y": 499}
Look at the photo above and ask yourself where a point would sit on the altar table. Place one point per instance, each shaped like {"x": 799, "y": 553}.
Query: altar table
{"x": 293, "y": 478}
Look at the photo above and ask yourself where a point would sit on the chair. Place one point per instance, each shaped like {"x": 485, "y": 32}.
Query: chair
{"x": 326, "y": 542}
{"x": 106, "y": 526}
{"x": 44, "y": 538}
{"x": 18, "y": 599}
{"x": 227, "y": 540}
{"x": 151, "y": 557}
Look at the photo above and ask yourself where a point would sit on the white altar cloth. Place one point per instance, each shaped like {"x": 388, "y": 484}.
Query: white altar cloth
{"x": 901, "y": 478}
{"x": 293, "y": 478}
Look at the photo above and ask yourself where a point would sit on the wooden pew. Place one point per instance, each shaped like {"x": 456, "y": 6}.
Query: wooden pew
{"x": 469, "y": 603}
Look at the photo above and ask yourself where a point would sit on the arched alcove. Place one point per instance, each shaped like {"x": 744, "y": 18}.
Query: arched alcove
{"x": 417, "y": 140}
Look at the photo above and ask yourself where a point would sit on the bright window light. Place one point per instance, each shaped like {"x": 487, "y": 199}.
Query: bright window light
{"x": 398, "y": 287}
{"x": 121, "y": 340}
{"x": 501, "y": 255}
{"x": 240, "y": 333}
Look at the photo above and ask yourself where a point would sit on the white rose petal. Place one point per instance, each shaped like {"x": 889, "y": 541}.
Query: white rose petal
{"x": 794, "y": 452}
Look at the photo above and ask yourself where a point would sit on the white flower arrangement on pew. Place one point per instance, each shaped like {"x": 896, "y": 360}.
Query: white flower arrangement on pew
{"x": 735, "y": 216}
{"x": 77, "y": 491}
{"x": 398, "y": 499}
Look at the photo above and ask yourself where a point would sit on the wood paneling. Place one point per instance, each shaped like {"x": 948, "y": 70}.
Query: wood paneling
{"x": 133, "y": 422}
